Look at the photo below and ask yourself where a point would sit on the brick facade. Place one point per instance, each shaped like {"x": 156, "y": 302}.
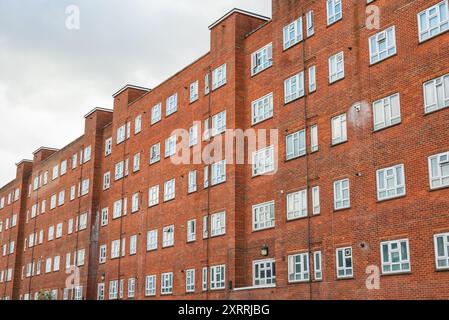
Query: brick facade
{"x": 417, "y": 215}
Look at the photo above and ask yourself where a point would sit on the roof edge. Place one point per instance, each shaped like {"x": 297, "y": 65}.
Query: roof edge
{"x": 130, "y": 86}
{"x": 98, "y": 109}
{"x": 23, "y": 161}
{"x": 46, "y": 148}
{"x": 236, "y": 10}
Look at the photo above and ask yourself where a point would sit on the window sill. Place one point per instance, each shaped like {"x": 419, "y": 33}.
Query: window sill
{"x": 271, "y": 286}
{"x": 253, "y": 124}
{"x": 222, "y": 85}
{"x": 295, "y": 158}
{"x": 434, "y": 111}
{"x": 438, "y": 189}
{"x": 294, "y": 100}
{"x": 400, "y": 273}
{"x": 387, "y": 127}
{"x": 384, "y": 59}
{"x": 263, "y": 229}
{"x": 328, "y": 25}
{"x": 342, "y": 209}
{"x": 260, "y": 71}
{"x": 344, "y": 278}
{"x": 391, "y": 199}
{"x": 432, "y": 37}
{"x": 335, "y": 81}
{"x": 293, "y": 45}
{"x": 339, "y": 143}
{"x": 296, "y": 219}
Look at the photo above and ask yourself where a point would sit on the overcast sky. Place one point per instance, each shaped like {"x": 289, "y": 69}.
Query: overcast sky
{"x": 50, "y": 76}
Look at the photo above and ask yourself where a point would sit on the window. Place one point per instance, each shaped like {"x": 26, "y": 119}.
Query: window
{"x": 206, "y": 177}
{"x": 107, "y": 180}
{"x": 102, "y": 255}
{"x": 193, "y": 135}
{"x": 48, "y": 265}
{"x": 390, "y": 182}
{"x": 297, "y": 205}
{"x": 59, "y": 230}
{"x": 264, "y": 273}
{"x": 204, "y": 279}
{"x": 439, "y": 170}
{"x": 218, "y": 224}
{"x": 192, "y": 181}
{"x": 74, "y": 164}
{"x": 339, "y": 130}
{"x": 395, "y": 256}
{"x": 169, "y": 190}
{"x": 100, "y": 291}
{"x": 153, "y": 196}
{"x": 263, "y": 161}
{"x": 206, "y": 134}
{"x": 61, "y": 197}
{"x": 152, "y": 240}
{"x": 54, "y": 175}
{"x": 294, "y": 87}
{"x": 205, "y": 227}
{"x": 314, "y": 138}
{"x": 117, "y": 213}
{"x": 80, "y": 257}
{"x": 433, "y": 21}
{"x": 170, "y": 146}
{"x": 156, "y": 113}
{"x": 334, "y": 11}
{"x": 113, "y": 289}
{"x": 172, "y": 105}
{"x": 133, "y": 245}
{"x": 387, "y": 112}
{"x": 442, "y": 251}
{"x": 316, "y": 200}
{"x": 119, "y": 170}
{"x": 155, "y": 153}
{"x": 115, "y": 249}
{"x": 263, "y": 216}
{"x": 312, "y": 79}
{"x": 136, "y": 162}
{"x": 382, "y": 45}
{"x": 191, "y": 230}
{"x": 194, "y": 91}
{"x": 336, "y": 67}
{"x": 219, "y": 77}
{"x": 150, "y": 285}
{"x": 218, "y": 123}
{"x": 135, "y": 203}
{"x": 69, "y": 227}
{"x": 298, "y": 267}
{"x": 51, "y": 233}
{"x": 293, "y": 33}
{"x": 190, "y": 280}
{"x": 310, "y": 23}
{"x": 344, "y": 263}
{"x": 341, "y": 194}
{"x": 137, "y": 124}
{"x": 121, "y": 134}
{"x": 206, "y": 84}
{"x": 168, "y": 236}
{"x": 104, "y": 217}
{"x": 167, "y": 283}
{"x": 108, "y": 147}
{"x": 436, "y": 94}
{"x": 131, "y": 287}
{"x": 317, "y": 265}
{"x": 85, "y": 187}
{"x": 296, "y": 144}
{"x": 218, "y": 172}
{"x": 217, "y": 277}
{"x": 87, "y": 153}
{"x": 262, "y": 59}
{"x": 63, "y": 167}
{"x": 262, "y": 109}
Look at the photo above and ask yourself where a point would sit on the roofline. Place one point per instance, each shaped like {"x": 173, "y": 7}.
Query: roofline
{"x": 22, "y": 161}
{"x": 98, "y": 109}
{"x": 236, "y": 10}
{"x": 46, "y": 148}
{"x": 130, "y": 86}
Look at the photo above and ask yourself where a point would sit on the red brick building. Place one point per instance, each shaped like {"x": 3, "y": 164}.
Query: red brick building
{"x": 347, "y": 199}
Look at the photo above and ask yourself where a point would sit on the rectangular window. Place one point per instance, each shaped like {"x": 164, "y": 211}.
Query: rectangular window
{"x": 310, "y": 23}
{"x": 115, "y": 249}
{"x": 206, "y": 133}
{"x": 334, "y": 11}
{"x": 169, "y": 190}
{"x": 106, "y": 180}
{"x": 113, "y": 289}
{"x": 317, "y": 265}
{"x": 264, "y": 273}
{"x": 63, "y": 167}
{"x": 152, "y": 240}
{"x": 133, "y": 245}
{"x": 262, "y": 109}
{"x": 262, "y": 59}
{"x": 387, "y": 112}
{"x": 218, "y": 172}
{"x": 312, "y": 79}
{"x": 341, "y": 194}
{"x": 336, "y": 67}
{"x": 51, "y": 233}
{"x": 205, "y": 227}
{"x": 131, "y": 287}
{"x": 382, "y": 45}
{"x": 172, "y": 105}
{"x": 294, "y": 87}
{"x": 191, "y": 230}
{"x": 218, "y": 123}
{"x": 293, "y": 33}
{"x": 121, "y": 134}
{"x": 85, "y": 187}
{"x": 194, "y": 91}
{"x": 433, "y": 21}
{"x": 192, "y": 181}
{"x": 204, "y": 278}
{"x": 219, "y": 77}
{"x": 55, "y": 173}
{"x": 395, "y": 256}
{"x": 153, "y": 196}
{"x": 136, "y": 162}
{"x": 295, "y": 144}
{"x": 167, "y": 283}
{"x": 56, "y": 263}
{"x": 104, "y": 217}
{"x": 314, "y": 138}
{"x": 74, "y": 164}
{"x": 155, "y": 153}
{"x": 108, "y": 147}
{"x": 156, "y": 113}
{"x": 297, "y": 205}
{"x": 218, "y": 224}
{"x": 168, "y": 236}
{"x": 263, "y": 216}
{"x": 135, "y": 203}
{"x": 87, "y": 153}
{"x": 339, "y": 129}
{"x": 102, "y": 255}
{"x": 170, "y": 146}
{"x": 190, "y": 280}
{"x": 206, "y": 84}
{"x": 263, "y": 161}
{"x": 150, "y": 285}
{"x": 316, "y": 200}
{"x": 439, "y": 170}
{"x": 344, "y": 263}
{"x": 100, "y": 291}
{"x": 442, "y": 251}
{"x": 137, "y": 124}
{"x": 193, "y": 135}
{"x": 59, "y": 230}
{"x": 298, "y": 267}
{"x": 436, "y": 94}
{"x": 119, "y": 170}
{"x": 390, "y": 182}
{"x": 117, "y": 213}
{"x": 217, "y": 277}
{"x": 206, "y": 177}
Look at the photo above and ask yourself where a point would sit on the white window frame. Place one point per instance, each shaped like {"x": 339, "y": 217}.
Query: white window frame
{"x": 262, "y": 109}
{"x": 150, "y": 285}
{"x": 168, "y": 236}
{"x": 194, "y": 92}
{"x": 169, "y": 190}
{"x": 333, "y": 14}
{"x": 336, "y": 67}
{"x": 387, "y": 112}
{"x": 261, "y": 269}
{"x": 218, "y": 123}
{"x": 219, "y": 77}
{"x": 166, "y": 283}
{"x": 218, "y": 224}
{"x": 264, "y": 216}
{"x": 297, "y": 205}
{"x": 395, "y": 253}
{"x": 442, "y": 258}
{"x": 190, "y": 280}
{"x": 344, "y": 270}
{"x": 262, "y": 59}
{"x": 171, "y": 104}
{"x": 218, "y": 172}
{"x": 436, "y": 178}
{"x": 340, "y": 201}
{"x": 294, "y": 87}
{"x": 108, "y": 146}
{"x": 261, "y": 161}
{"x": 442, "y": 25}
{"x": 170, "y": 146}
{"x": 153, "y": 196}
{"x": 191, "y": 230}
{"x": 318, "y": 265}
{"x": 382, "y": 45}
{"x": 217, "y": 277}
{"x": 152, "y": 240}
{"x": 295, "y": 145}
{"x": 155, "y": 153}
{"x": 298, "y": 268}
{"x": 292, "y": 33}
{"x": 395, "y": 175}
{"x": 156, "y": 113}
{"x": 436, "y": 94}
{"x": 339, "y": 129}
